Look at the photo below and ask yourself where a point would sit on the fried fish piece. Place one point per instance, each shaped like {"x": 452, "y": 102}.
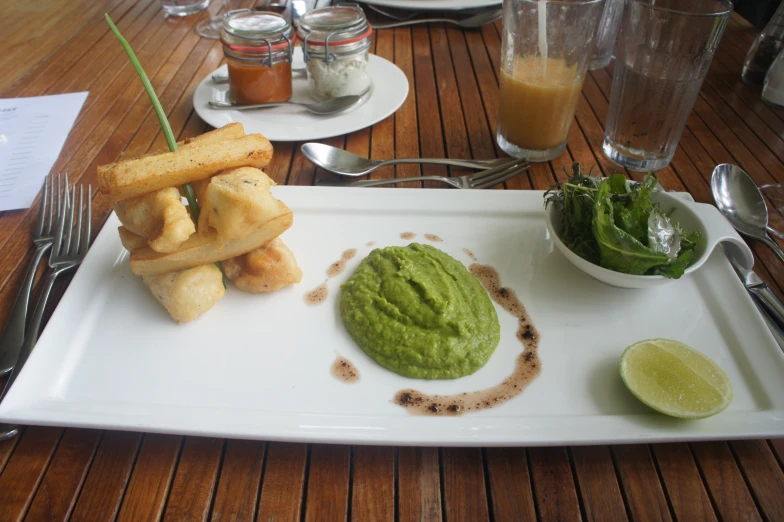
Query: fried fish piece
{"x": 160, "y": 217}
{"x": 266, "y": 269}
{"x": 201, "y": 249}
{"x": 236, "y": 202}
{"x": 136, "y": 177}
{"x": 186, "y": 294}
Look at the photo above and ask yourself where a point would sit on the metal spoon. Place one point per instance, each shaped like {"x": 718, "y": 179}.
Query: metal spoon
{"x": 324, "y": 108}
{"x": 740, "y": 200}
{"x": 472, "y": 22}
{"x": 346, "y": 163}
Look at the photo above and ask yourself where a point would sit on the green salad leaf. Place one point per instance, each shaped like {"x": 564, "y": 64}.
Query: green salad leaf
{"x": 618, "y": 225}
{"x": 618, "y": 249}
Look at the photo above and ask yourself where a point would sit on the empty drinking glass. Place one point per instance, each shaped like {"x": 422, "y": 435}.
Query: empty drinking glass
{"x": 183, "y": 7}
{"x": 545, "y": 52}
{"x": 663, "y": 54}
{"x": 773, "y": 88}
{"x": 606, "y": 34}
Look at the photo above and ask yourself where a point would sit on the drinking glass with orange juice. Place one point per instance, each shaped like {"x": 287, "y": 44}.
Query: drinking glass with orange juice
{"x": 546, "y": 48}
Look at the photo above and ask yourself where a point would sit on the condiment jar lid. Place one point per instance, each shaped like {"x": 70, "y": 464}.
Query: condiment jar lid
{"x": 249, "y": 31}
{"x": 341, "y": 25}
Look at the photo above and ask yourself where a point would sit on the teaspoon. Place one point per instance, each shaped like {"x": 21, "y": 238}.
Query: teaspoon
{"x": 740, "y": 200}
{"x": 324, "y": 108}
{"x": 347, "y": 163}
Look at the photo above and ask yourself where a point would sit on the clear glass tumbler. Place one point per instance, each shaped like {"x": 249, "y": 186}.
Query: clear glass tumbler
{"x": 607, "y": 34}
{"x": 664, "y": 50}
{"x": 183, "y": 7}
{"x": 545, "y": 52}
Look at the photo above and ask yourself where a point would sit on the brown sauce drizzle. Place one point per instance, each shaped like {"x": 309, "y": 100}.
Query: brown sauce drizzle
{"x": 527, "y": 366}
{"x": 371, "y": 243}
{"x": 344, "y": 370}
{"x": 318, "y": 295}
{"x": 337, "y": 267}
{"x": 471, "y": 255}
{"x": 434, "y": 238}
{"x": 407, "y": 235}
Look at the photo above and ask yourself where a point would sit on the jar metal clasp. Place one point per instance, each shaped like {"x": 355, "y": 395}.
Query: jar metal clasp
{"x": 328, "y": 57}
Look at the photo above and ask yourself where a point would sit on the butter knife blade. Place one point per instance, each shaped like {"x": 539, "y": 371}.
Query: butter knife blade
{"x": 778, "y": 335}
{"x": 763, "y": 294}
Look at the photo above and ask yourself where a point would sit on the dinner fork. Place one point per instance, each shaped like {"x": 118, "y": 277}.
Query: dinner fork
{"x": 43, "y": 235}
{"x": 69, "y": 247}
{"x": 480, "y": 180}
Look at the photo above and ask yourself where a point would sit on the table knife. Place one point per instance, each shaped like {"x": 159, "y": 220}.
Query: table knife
{"x": 761, "y": 292}
{"x": 778, "y": 334}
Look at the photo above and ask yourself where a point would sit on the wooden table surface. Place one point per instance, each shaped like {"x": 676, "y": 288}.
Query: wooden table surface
{"x": 50, "y": 47}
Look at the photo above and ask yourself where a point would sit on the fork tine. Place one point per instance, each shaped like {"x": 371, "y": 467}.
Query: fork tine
{"x": 76, "y": 246}
{"x": 39, "y": 222}
{"x": 70, "y": 197}
{"x": 489, "y": 177}
{"x": 479, "y": 176}
{"x": 52, "y": 217}
{"x": 88, "y": 221}
{"x": 58, "y": 233}
{"x": 500, "y": 178}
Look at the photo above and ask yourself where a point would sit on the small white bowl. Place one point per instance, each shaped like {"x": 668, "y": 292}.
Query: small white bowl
{"x": 692, "y": 216}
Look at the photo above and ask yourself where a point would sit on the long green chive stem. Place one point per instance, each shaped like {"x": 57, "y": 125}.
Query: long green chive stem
{"x": 193, "y": 205}
{"x": 162, "y": 119}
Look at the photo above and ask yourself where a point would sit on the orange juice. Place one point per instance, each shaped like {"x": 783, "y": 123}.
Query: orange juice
{"x": 537, "y": 103}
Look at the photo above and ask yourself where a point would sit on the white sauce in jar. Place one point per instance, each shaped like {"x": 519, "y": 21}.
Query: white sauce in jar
{"x": 343, "y": 76}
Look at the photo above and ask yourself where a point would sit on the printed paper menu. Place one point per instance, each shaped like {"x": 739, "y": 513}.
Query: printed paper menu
{"x": 32, "y": 133}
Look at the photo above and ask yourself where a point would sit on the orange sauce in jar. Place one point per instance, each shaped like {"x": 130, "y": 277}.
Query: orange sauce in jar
{"x": 257, "y": 83}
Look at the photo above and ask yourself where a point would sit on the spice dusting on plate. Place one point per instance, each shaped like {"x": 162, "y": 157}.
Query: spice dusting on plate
{"x": 338, "y": 266}
{"x": 527, "y": 365}
{"x": 470, "y": 254}
{"x": 407, "y": 235}
{"x": 318, "y": 295}
{"x": 434, "y": 238}
{"x": 371, "y": 243}
{"x": 344, "y": 370}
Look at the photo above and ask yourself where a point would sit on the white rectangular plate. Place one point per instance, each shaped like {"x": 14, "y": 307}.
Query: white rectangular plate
{"x": 258, "y": 366}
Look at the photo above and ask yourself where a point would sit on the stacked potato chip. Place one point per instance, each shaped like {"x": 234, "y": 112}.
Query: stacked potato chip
{"x": 239, "y": 224}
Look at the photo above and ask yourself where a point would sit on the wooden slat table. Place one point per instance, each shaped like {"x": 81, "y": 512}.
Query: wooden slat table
{"x": 50, "y": 47}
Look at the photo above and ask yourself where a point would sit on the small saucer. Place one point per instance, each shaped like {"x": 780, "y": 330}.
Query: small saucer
{"x": 291, "y": 123}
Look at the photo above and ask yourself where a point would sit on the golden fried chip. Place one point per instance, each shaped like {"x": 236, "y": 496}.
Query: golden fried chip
{"x": 136, "y": 177}
{"x": 130, "y": 240}
{"x": 201, "y": 249}
{"x": 232, "y": 131}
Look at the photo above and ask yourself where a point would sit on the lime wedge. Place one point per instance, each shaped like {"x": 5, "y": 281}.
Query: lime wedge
{"x": 674, "y": 379}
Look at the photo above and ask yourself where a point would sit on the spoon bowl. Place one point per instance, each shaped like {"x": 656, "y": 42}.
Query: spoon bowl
{"x": 337, "y": 160}
{"x": 740, "y": 200}
{"x": 325, "y": 108}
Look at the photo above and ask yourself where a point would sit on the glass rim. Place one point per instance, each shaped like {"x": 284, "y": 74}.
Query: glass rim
{"x": 728, "y": 7}
{"x": 564, "y": 2}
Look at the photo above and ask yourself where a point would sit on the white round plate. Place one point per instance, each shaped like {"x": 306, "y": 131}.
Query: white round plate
{"x": 414, "y": 5}
{"x": 292, "y": 123}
